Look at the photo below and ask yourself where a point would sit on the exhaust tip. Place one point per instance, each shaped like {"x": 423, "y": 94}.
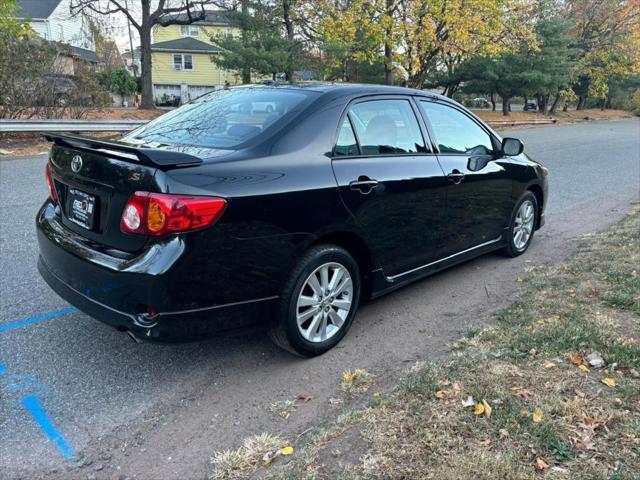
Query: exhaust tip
{"x": 133, "y": 337}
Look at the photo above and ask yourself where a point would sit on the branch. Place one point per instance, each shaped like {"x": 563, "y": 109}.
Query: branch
{"x": 94, "y": 6}
{"x": 188, "y": 7}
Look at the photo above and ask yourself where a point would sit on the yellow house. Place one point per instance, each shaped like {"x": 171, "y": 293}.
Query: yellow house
{"x": 182, "y": 58}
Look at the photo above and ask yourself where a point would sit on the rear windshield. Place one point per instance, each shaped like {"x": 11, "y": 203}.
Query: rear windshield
{"x": 222, "y": 119}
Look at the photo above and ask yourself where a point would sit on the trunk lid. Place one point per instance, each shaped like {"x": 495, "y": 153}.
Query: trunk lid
{"x": 94, "y": 180}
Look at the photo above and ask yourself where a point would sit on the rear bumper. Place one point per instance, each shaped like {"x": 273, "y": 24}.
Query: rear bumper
{"x": 117, "y": 288}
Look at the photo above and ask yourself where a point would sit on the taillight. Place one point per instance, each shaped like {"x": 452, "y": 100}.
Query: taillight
{"x": 52, "y": 189}
{"x": 159, "y": 214}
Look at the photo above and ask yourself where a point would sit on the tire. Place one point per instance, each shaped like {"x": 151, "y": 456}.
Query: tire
{"x": 300, "y": 298}
{"x": 518, "y": 245}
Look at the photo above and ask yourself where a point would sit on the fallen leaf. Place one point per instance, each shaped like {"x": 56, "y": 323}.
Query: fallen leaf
{"x": 537, "y": 415}
{"x": 523, "y": 394}
{"x": 305, "y": 397}
{"x": 524, "y": 412}
{"x": 519, "y": 280}
{"x": 441, "y": 394}
{"x": 580, "y": 393}
{"x": 503, "y": 432}
{"x": 487, "y": 409}
{"x": 286, "y": 451}
{"x": 548, "y": 365}
{"x": 589, "y": 423}
{"x": 468, "y": 402}
{"x": 376, "y": 394}
{"x": 583, "y": 368}
{"x": 479, "y": 410}
{"x": 541, "y": 464}
{"x": 609, "y": 382}
{"x": 575, "y": 358}
{"x": 456, "y": 387}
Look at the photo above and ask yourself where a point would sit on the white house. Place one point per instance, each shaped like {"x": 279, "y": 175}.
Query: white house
{"x": 52, "y": 20}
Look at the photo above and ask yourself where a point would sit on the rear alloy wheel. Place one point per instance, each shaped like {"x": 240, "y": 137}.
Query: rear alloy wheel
{"x": 324, "y": 302}
{"x": 318, "y": 302}
{"x": 522, "y": 226}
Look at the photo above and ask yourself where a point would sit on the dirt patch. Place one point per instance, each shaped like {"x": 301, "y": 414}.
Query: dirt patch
{"x": 550, "y": 390}
{"x": 559, "y": 118}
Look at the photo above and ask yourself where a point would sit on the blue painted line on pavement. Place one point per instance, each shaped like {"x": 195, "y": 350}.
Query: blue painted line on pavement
{"x": 39, "y": 318}
{"x": 2, "y": 368}
{"x": 34, "y": 407}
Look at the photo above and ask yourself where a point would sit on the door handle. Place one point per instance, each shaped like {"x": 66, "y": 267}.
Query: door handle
{"x": 455, "y": 177}
{"x": 364, "y": 184}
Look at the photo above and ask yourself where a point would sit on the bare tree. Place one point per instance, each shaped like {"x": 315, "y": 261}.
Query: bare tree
{"x": 162, "y": 12}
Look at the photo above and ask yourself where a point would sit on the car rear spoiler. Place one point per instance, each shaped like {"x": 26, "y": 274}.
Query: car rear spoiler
{"x": 154, "y": 157}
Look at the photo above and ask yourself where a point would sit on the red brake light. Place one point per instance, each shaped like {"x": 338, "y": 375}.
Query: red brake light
{"x": 52, "y": 189}
{"x": 159, "y": 214}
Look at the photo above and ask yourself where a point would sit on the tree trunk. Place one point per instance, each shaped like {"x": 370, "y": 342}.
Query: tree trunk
{"x": 288, "y": 25}
{"x": 554, "y": 105}
{"x": 542, "y": 106}
{"x": 506, "y": 106}
{"x": 145, "y": 57}
{"x": 246, "y": 69}
{"x": 526, "y": 100}
{"x": 493, "y": 102}
{"x": 388, "y": 47}
{"x": 609, "y": 103}
{"x": 582, "y": 102}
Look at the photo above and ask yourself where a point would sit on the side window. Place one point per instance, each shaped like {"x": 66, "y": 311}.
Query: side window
{"x": 387, "y": 126}
{"x": 346, "y": 144}
{"x": 455, "y": 132}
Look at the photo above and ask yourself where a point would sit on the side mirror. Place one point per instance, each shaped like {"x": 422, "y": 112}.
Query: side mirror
{"x": 512, "y": 147}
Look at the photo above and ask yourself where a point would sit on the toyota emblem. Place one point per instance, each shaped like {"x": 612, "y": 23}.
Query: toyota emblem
{"x": 76, "y": 163}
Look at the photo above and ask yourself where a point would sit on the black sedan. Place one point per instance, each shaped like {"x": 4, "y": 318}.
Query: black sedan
{"x": 220, "y": 214}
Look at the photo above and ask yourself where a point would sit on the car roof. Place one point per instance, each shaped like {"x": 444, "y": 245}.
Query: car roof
{"x": 346, "y": 89}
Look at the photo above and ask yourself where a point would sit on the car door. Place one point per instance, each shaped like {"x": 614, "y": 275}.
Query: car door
{"x": 479, "y": 194}
{"x": 390, "y": 181}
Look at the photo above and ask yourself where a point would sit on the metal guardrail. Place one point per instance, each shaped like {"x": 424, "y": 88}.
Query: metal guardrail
{"x": 20, "y": 126}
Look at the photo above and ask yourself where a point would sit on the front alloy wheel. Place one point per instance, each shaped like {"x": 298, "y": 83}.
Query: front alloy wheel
{"x": 523, "y": 228}
{"x": 324, "y": 302}
{"x": 522, "y": 225}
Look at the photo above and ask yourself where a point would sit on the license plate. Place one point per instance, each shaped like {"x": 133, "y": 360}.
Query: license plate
{"x": 81, "y": 207}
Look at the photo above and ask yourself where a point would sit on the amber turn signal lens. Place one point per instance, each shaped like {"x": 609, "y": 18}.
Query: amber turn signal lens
{"x": 156, "y": 217}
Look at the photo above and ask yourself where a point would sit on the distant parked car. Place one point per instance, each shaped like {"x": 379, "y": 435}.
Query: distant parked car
{"x": 530, "y": 105}
{"x": 481, "y": 102}
{"x": 204, "y": 219}
{"x": 268, "y": 107}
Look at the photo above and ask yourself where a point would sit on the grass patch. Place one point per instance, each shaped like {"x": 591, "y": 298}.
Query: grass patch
{"x": 525, "y": 398}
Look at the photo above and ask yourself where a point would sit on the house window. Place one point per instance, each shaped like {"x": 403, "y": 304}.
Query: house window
{"x": 182, "y": 62}
{"x": 187, "y": 62}
{"x": 189, "y": 30}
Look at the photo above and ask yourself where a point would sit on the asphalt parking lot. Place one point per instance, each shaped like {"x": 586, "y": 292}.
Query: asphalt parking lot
{"x": 80, "y": 399}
